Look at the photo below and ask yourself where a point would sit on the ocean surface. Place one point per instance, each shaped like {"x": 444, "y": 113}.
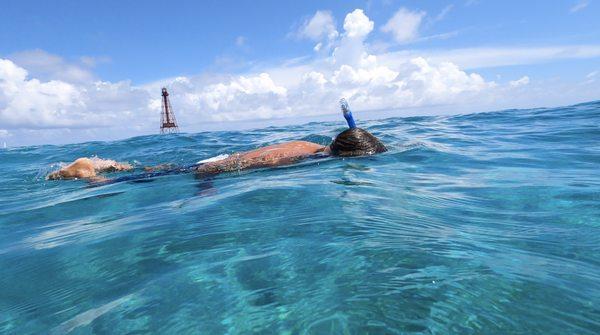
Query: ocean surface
{"x": 484, "y": 223}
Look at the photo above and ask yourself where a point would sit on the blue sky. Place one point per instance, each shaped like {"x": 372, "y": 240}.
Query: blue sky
{"x": 70, "y": 69}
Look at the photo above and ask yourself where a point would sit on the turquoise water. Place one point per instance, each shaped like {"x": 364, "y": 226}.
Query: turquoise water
{"x": 473, "y": 224}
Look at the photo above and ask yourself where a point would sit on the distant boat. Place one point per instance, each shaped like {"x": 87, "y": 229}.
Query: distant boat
{"x": 4, "y": 145}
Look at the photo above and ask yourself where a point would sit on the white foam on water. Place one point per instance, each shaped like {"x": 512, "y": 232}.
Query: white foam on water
{"x": 213, "y": 159}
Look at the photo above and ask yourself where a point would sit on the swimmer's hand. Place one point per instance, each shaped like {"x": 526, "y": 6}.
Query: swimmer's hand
{"x": 54, "y": 176}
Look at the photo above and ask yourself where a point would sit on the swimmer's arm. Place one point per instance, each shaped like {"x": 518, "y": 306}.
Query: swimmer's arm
{"x": 79, "y": 169}
{"x": 109, "y": 165}
{"x": 86, "y": 168}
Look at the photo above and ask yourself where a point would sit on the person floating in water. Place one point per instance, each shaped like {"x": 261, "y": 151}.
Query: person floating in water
{"x": 351, "y": 142}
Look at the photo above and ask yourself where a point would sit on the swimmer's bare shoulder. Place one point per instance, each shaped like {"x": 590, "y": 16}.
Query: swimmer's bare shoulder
{"x": 269, "y": 156}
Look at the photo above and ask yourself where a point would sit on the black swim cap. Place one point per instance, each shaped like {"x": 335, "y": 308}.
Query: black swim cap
{"x": 356, "y": 142}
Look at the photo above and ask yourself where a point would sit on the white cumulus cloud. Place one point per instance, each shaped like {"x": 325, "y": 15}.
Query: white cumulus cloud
{"x": 404, "y": 25}
{"x": 519, "y": 82}
{"x": 25, "y": 101}
{"x": 33, "y": 103}
{"x": 357, "y": 24}
{"x": 244, "y": 97}
{"x": 347, "y": 67}
{"x": 320, "y": 25}
{"x": 313, "y": 88}
{"x": 46, "y": 66}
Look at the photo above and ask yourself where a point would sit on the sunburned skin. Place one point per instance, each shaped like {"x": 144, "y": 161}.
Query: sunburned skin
{"x": 86, "y": 168}
{"x": 272, "y": 155}
{"x": 269, "y": 156}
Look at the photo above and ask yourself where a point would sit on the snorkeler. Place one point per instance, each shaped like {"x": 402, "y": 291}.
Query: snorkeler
{"x": 351, "y": 142}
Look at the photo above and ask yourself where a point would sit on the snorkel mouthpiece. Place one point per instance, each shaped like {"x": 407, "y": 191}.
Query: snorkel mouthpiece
{"x": 347, "y": 113}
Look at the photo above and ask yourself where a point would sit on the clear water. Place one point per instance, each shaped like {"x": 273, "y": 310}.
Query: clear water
{"x": 475, "y": 224}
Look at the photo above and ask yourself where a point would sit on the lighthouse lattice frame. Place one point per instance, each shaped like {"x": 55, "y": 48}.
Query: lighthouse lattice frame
{"x": 168, "y": 123}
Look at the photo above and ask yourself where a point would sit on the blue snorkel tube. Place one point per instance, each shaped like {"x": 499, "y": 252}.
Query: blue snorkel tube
{"x": 347, "y": 113}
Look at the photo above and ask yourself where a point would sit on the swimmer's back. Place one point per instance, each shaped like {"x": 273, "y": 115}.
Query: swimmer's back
{"x": 283, "y": 150}
{"x": 272, "y": 155}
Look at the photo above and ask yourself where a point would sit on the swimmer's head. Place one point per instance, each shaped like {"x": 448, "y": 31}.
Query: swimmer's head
{"x": 356, "y": 142}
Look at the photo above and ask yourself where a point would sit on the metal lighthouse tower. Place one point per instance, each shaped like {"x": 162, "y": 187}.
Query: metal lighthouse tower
{"x": 168, "y": 123}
